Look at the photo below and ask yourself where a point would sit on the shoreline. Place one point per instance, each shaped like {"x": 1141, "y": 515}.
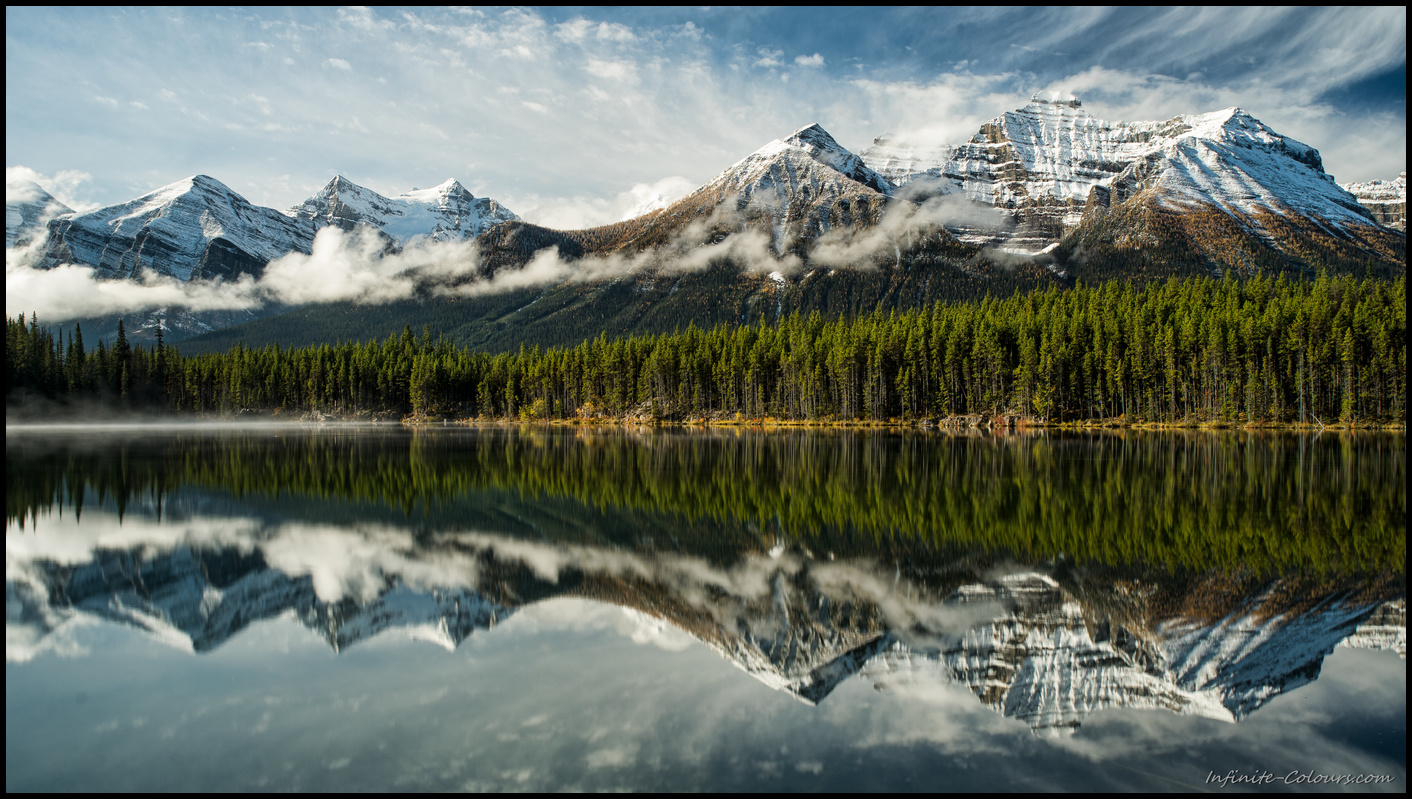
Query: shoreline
{"x": 1000, "y": 425}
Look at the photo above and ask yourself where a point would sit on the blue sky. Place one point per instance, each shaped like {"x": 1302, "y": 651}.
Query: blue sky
{"x": 570, "y": 116}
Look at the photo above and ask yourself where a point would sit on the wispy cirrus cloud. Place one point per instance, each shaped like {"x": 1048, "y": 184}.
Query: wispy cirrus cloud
{"x": 542, "y": 108}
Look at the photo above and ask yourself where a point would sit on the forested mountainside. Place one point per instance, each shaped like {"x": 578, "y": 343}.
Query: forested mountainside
{"x": 1332, "y": 350}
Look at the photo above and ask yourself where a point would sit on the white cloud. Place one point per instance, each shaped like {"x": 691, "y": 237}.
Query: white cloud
{"x": 65, "y": 186}
{"x": 768, "y": 57}
{"x": 612, "y": 70}
{"x": 613, "y": 32}
{"x": 341, "y": 268}
{"x": 948, "y": 110}
{"x": 262, "y": 103}
{"x": 648, "y": 630}
{"x": 575, "y": 30}
{"x": 632, "y": 104}
{"x": 357, "y": 17}
{"x": 574, "y": 213}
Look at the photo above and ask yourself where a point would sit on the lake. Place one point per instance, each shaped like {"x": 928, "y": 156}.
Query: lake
{"x": 555, "y": 608}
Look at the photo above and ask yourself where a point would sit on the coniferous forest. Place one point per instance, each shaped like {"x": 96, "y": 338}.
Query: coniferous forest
{"x": 1196, "y": 350}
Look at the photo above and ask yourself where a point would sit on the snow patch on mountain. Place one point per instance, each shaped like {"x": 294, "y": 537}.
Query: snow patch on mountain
{"x": 196, "y": 227}
{"x": 447, "y": 212}
{"x": 1385, "y": 199}
{"x": 903, "y": 162}
{"x": 806, "y": 184}
{"x": 1044, "y": 662}
{"x": 1045, "y": 158}
{"x": 1384, "y": 629}
{"x": 28, "y": 208}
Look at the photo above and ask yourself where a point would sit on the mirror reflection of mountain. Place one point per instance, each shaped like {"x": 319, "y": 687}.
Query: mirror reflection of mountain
{"x": 1046, "y": 643}
{"x": 902, "y": 558}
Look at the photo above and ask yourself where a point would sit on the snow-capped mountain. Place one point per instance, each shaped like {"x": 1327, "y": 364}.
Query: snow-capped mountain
{"x": 28, "y": 208}
{"x": 794, "y": 189}
{"x": 193, "y": 228}
{"x": 805, "y": 184}
{"x": 1045, "y": 163}
{"x": 447, "y": 212}
{"x": 1385, "y": 199}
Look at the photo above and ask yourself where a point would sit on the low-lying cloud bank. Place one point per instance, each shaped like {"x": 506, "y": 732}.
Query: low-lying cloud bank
{"x": 353, "y": 267}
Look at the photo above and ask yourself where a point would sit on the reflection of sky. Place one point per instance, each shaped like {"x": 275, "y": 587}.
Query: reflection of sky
{"x": 559, "y": 696}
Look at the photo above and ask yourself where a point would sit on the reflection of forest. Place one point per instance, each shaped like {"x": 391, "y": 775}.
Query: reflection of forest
{"x": 1247, "y": 503}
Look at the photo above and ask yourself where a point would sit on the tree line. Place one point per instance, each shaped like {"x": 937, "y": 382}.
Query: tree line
{"x": 1264, "y": 349}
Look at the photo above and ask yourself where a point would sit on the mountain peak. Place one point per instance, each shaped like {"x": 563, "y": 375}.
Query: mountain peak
{"x": 439, "y": 194}
{"x": 812, "y": 133}
{"x": 446, "y": 212}
{"x": 826, "y": 150}
{"x": 1067, "y": 99}
{"x": 28, "y": 207}
{"x": 822, "y": 147}
{"x": 204, "y": 182}
{"x": 190, "y": 228}
{"x": 340, "y": 182}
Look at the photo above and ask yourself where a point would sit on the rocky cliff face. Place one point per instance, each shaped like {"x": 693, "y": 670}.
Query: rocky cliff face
{"x": 1386, "y": 200}
{"x": 1049, "y": 163}
{"x": 444, "y": 213}
{"x": 1384, "y": 628}
{"x": 194, "y": 228}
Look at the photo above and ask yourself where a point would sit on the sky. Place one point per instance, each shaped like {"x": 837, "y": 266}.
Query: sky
{"x": 572, "y": 116}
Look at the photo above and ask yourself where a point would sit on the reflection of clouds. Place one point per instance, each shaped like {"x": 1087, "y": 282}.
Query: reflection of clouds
{"x": 59, "y": 637}
{"x": 63, "y": 538}
{"x": 916, "y": 615}
{"x": 359, "y": 562}
{"x": 616, "y": 757}
{"x": 1318, "y": 727}
{"x": 764, "y": 612}
{"x": 584, "y": 615}
{"x": 650, "y": 630}
{"x": 931, "y": 709}
{"x": 616, "y": 715}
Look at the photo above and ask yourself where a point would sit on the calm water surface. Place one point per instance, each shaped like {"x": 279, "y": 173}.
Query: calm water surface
{"x": 455, "y": 609}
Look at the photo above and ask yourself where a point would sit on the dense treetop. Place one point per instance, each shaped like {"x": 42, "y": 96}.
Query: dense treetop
{"x": 1197, "y": 349}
